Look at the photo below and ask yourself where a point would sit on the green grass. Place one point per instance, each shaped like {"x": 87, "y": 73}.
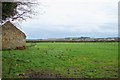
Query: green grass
{"x": 90, "y": 60}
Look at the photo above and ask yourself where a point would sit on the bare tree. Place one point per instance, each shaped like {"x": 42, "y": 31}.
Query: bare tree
{"x": 20, "y": 10}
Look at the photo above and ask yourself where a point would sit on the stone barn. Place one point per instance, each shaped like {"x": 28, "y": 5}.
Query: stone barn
{"x": 12, "y": 37}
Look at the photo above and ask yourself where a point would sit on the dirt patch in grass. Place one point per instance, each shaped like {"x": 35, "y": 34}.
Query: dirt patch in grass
{"x": 41, "y": 74}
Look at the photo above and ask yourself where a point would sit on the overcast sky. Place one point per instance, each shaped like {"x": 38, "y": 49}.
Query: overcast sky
{"x": 73, "y": 18}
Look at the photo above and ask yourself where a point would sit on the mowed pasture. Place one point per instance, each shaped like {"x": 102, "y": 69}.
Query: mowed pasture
{"x": 67, "y": 60}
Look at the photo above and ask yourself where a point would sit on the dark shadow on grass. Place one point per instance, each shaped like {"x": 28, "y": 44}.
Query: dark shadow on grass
{"x": 41, "y": 74}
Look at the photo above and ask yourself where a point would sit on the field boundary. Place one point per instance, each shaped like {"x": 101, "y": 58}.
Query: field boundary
{"x": 69, "y": 41}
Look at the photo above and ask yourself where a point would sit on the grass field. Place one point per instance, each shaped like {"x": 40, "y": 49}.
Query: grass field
{"x": 76, "y": 60}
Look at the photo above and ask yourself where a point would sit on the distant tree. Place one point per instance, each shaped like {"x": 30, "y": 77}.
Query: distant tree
{"x": 17, "y": 10}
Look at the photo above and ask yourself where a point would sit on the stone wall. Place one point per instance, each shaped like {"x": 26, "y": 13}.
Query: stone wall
{"x": 12, "y": 37}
